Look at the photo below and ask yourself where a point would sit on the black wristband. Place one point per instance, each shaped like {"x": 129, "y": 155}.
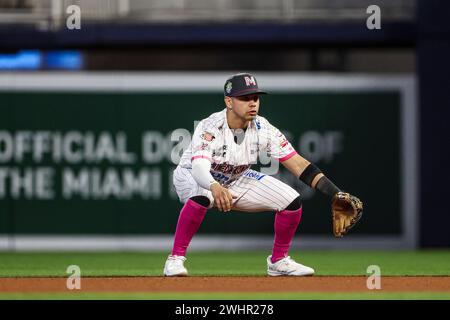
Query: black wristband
{"x": 308, "y": 175}
{"x": 327, "y": 187}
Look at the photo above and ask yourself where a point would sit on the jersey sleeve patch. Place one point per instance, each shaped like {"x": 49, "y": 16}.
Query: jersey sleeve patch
{"x": 207, "y": 136}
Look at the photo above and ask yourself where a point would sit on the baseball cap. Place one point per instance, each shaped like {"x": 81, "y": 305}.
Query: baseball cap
{"x": 241, "y": 84}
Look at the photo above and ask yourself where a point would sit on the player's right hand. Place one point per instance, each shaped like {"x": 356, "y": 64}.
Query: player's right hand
{"x": 222, "y": 197}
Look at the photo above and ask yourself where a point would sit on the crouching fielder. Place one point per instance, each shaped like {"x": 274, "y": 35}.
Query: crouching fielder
{"x": 214, "y": 171}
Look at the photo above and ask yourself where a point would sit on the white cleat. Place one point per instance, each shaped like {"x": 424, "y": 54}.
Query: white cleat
{"x": 287, "y": 267}
{"x": 174, "y": 267}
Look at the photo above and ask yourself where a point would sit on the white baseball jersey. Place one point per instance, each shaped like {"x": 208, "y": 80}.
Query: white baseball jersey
{"x": 231, "y": 162}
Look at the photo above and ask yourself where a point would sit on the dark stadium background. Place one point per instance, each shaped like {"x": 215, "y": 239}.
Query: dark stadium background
{"x": 320, "y": 37}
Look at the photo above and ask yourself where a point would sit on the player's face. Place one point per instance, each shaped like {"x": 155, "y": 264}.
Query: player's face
{"x": 246, "y": 107}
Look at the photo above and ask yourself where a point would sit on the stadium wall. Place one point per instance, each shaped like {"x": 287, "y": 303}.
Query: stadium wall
{"x": 86, "y": 158}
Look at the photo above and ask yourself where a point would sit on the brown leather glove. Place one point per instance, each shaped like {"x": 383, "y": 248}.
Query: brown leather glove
{"x": 346, "y": 211}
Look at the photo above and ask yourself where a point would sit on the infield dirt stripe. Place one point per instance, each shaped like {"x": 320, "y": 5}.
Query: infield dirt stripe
{"x": 227, "y": 284}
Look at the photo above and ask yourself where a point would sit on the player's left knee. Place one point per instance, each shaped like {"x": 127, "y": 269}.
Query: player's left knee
{"x": 201, "y": 200}
{"x": 294, "y": 205}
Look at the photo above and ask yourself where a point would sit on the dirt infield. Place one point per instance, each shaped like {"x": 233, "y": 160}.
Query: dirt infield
{"x": 228, "y": 284}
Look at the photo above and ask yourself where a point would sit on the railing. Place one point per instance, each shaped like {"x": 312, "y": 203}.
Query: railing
{"x": 53, "y": 12}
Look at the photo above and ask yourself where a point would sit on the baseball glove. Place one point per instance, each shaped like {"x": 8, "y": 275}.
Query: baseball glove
{"x": 346, "y": 212}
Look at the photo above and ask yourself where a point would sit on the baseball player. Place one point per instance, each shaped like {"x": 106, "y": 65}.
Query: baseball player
{"x": 214, "y": 171}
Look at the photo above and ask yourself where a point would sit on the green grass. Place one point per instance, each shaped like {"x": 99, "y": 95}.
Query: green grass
{"x": 248, "y": 263}
{"x": 229, "y": 296}
{"x": 406, "y": 263}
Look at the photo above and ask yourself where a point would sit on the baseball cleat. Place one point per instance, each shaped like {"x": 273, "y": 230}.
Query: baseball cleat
{"x": 287, "y": 267}
{"x": 174, "y": 266}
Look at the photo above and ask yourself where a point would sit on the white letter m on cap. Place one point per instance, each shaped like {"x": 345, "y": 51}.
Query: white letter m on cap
{"x": 250, "y": 81}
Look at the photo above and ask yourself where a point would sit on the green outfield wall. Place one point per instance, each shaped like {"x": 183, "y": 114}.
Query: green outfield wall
{"x": 89, "y": 162}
